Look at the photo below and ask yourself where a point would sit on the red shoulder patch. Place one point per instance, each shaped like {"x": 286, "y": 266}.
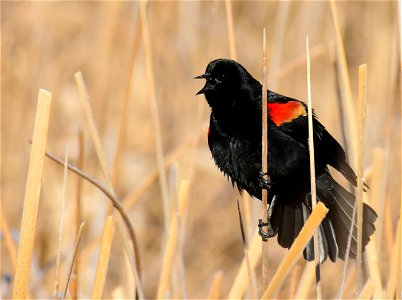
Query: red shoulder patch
{"x": 286, "y": 112}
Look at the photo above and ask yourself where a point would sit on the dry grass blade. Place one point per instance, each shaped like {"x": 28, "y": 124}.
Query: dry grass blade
{"x": 312, "y": 172}
{"x": 171, "y": 243}
{"x": 246, "y": 256}
{"x": 240, "y": 283}
{"x": 229, "y": 19}
{"x": 61, "y": 224}
{"x": 154, "y": 110}
{"x": 73, "y": 261}
{"x": 347, "y": 107}
{"x": 31, "y": 201}
{"x": 216, "y": 288}
{"x": 399, "y": 277}
{"x": 360, "y": 153}
{"x": 124, "y": 111}
{"x": 8, "y": 240}
{"x": 74, "y": 280}
{"x": 315, "y": 219}
{"x": 92, "y": 128}
{"x": 103, "y": 260}
{"x": 264, "y": 159}
{"x": 305, "y": 281}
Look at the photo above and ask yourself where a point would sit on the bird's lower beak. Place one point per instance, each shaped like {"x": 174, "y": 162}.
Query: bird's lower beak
{"x": 202, "y": 91}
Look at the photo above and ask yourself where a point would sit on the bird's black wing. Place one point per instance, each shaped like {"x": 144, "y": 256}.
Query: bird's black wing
{"x": 327, "y": 149}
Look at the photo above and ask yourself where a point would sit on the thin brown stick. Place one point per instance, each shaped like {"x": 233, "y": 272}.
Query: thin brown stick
{"x": 264, "y": 161}
{"x": 154, "y": 111}
{"x": 229, "y": 19}
{"x": 312, "y": 223}
{"x": 116, "y": 203}
{"x": 61, "y": 225}
{"x": 103, "y": 261}
{"x": 73, "y": 261}
{"x": 31, "y": 201}
{"x": 360, "y": 153}
{"x": 246, "y": 256}
{"x": 312, "y": 173}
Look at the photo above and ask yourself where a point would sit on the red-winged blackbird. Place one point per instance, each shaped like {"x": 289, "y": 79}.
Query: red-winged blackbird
{"x": 234, "y": 138}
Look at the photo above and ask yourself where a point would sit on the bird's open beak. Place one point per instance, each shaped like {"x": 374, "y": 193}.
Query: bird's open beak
{"x": 205, "y": 88}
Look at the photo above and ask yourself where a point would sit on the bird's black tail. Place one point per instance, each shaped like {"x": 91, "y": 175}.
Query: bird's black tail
{"x": 289, "y": 217}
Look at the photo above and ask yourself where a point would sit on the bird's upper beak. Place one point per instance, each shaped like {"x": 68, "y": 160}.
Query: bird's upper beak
{"x": 203, "y": 76}
{"x": 205, "y": 88}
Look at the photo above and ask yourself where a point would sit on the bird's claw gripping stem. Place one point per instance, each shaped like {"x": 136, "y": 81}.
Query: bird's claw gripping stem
{"x": 265, "y": 235}
{"x": 271, "y": 231}
{"x": 264, "y": 180}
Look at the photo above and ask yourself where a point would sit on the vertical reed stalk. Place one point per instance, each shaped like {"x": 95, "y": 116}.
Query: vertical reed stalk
{"x": 264, "y": 152}
{"x": 348, "y": 106}
{"x": 61, "y": 224}
{"x": 312, "y": 173}
{"x": 103, "y": 260}
{"x": 31, "y": 201}
{"x": 74, "y": 284}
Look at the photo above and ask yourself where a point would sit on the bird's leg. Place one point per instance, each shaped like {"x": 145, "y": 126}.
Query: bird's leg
{"x": 271, "y": 232}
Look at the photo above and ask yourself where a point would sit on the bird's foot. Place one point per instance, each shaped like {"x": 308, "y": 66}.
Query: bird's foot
{"x": 264, "y": 180}
{"x": 266, "y": 234}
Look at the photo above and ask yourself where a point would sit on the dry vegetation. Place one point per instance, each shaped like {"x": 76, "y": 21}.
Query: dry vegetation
{"x": 144, "y": 120}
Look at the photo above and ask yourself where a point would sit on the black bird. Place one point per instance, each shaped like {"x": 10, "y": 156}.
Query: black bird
{"x": 234, "y": 138}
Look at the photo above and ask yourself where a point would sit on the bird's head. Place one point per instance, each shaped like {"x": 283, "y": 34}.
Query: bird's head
{"x": 224, "y": 80}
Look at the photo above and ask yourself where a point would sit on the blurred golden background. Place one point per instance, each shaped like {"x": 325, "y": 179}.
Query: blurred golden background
{"x": 44, "y": 43}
